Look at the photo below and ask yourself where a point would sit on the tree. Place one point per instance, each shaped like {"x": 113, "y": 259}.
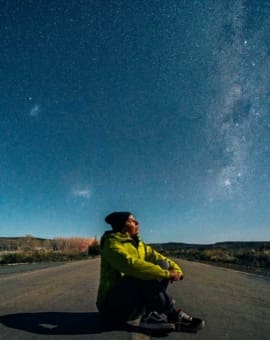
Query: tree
{"x": 94, "y": 248}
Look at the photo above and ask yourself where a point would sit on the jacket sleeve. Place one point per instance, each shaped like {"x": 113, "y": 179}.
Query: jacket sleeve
{"x": 154, "y": 256}
{"x": 127, "y": 264}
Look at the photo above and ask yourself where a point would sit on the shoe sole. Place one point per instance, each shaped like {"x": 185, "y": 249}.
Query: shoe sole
{"x": 165, "y": 327}
{"x": 184, "y": 328}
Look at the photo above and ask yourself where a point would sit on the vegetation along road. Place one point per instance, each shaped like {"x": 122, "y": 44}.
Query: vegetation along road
{"x": 59, "y": 303}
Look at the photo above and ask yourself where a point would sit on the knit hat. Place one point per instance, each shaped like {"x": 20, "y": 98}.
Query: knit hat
{"x": 117, "y": 219}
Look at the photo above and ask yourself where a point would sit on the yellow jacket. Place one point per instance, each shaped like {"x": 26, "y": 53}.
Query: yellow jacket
{"x": 122, "y": 255}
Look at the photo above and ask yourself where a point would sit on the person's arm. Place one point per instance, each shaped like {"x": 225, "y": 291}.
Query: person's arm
{"x": 116, "y": 255}
{"x": 154, "y": 256}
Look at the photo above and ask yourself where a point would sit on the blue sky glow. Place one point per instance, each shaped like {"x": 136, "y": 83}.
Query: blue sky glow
{"x": 160, "y": 108}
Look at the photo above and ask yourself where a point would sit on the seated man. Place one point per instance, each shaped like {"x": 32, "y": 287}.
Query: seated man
{"x": 133, "y": 281}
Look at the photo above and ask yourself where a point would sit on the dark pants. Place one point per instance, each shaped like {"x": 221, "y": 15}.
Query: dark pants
{"x": 132, "y": 297}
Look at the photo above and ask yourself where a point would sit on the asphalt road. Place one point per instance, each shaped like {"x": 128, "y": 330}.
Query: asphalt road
{"x": 59, "y": 303}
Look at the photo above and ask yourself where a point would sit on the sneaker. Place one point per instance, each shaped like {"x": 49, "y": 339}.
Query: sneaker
{"x": 154, "y": 322}
{"x": 185, "y": 323}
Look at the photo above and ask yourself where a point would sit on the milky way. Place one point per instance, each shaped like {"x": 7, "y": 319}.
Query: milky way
{"x": 239, "y": 107}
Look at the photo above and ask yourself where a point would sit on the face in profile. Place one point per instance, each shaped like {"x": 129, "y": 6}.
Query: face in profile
{"x": 131, "y": 226}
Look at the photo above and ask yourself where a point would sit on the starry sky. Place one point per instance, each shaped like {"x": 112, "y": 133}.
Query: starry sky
{"x": 156, "y": 107}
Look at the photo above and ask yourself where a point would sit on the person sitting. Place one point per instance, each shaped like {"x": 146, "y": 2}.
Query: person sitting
{"x": 134, "y": 279}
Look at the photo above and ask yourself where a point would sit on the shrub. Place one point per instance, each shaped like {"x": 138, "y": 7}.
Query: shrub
{"x": 42, "y": 256}
{"x": 94, "y": 248}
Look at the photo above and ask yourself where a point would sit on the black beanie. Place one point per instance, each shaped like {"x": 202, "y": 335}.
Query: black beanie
{"x": 117, "y": 219}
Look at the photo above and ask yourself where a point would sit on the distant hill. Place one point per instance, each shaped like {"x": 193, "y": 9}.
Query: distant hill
{"x": 14, "y": 243}
{"x": 28, "y": 249}
{"x": 225, "y": 245}
{"x": 19, "y": 238}
{"x": 31, "y": 242}
{"x": 248, "y": 256}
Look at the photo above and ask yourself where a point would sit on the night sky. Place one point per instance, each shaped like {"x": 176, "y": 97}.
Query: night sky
{"x": 161, "y": 108}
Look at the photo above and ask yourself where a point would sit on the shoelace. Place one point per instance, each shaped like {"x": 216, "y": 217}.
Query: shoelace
{"x": 154, "y": 317}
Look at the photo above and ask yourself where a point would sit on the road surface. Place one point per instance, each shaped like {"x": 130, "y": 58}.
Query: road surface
{"x": 59, "y": 303}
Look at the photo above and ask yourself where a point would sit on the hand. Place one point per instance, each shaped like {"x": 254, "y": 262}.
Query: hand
{"x": 175, "y": 276}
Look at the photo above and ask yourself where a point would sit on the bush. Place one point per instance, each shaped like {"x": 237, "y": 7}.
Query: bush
{"x": 94, "y": 249}
{"x": 42, "y": 256}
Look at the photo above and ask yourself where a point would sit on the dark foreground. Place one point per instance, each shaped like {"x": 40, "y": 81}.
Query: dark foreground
{"x": 59, "y": 303}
